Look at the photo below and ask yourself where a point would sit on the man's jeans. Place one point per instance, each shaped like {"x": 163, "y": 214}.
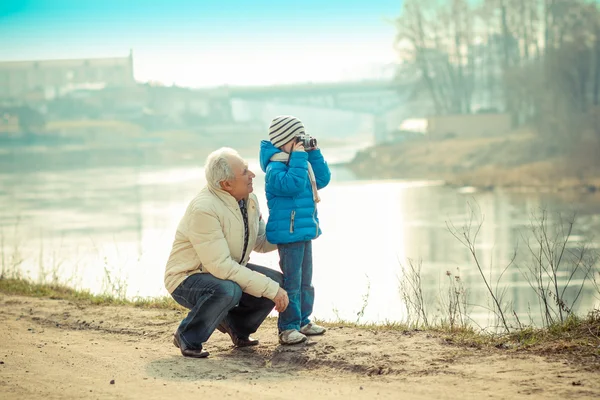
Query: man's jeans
{"x": 295, "y": 260}
{"x": 212, "y": 300}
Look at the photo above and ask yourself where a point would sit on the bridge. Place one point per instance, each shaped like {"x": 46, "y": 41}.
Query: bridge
{"x": 377, "y": 98}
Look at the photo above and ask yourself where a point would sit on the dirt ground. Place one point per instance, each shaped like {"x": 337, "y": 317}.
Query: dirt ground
{"x": 55, "y": 349}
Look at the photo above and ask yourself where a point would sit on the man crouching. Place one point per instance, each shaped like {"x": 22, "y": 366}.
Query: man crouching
{"x": 208, "y": 271}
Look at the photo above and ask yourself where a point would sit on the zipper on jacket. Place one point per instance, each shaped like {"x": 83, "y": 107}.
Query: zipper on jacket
{"x": 316, "y": 223}
{"x": 292, "y": 217}
{"x": 244, "y": 251}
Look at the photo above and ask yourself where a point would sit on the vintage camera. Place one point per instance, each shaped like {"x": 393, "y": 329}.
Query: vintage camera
{"x": 309, "y": 142}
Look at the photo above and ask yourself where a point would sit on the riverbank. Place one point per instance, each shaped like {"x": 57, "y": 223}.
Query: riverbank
{"x": 517, "y": 162}
{"x": 66, "y": 344}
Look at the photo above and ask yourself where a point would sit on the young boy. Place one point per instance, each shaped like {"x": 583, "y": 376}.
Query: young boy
{"x": 293, "y": 176}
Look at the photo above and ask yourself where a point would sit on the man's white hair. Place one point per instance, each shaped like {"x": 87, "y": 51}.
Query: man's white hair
{"x": 218, "y": 166}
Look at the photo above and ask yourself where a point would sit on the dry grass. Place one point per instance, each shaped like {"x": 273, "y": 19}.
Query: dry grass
{"x": 577, "y": 340}
{"x": 22, "y": 287}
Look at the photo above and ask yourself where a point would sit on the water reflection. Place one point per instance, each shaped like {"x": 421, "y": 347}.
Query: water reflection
{"x": 90, "y": 224}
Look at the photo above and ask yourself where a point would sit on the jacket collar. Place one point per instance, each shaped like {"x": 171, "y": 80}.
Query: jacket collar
{"x": 225, "y": 197}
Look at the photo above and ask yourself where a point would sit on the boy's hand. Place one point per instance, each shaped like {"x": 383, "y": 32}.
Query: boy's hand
{"x": 298, "y": 147}
{"x": 281, "y": 300}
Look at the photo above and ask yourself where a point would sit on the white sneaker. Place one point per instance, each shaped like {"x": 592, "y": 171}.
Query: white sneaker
{"x": 311, "y": 329}
{"x": 291, "y": 336}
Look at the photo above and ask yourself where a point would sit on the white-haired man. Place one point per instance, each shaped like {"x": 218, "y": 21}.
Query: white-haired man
{"x": 208, "y": 271}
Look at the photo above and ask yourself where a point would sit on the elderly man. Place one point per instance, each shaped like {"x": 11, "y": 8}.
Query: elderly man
{"x": 208, "y": 270}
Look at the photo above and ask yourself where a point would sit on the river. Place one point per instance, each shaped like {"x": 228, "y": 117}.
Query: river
{"x": 108, "y": 227}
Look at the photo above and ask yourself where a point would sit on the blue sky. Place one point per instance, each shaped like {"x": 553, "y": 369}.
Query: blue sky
{"x": 206, "y": 42}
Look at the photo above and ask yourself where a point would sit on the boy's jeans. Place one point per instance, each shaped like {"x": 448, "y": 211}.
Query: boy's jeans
{"x": 295, "y": 260}
{"x": 212, "y": 300}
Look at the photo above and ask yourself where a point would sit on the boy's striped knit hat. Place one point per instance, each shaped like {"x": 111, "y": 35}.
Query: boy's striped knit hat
{"x": 284, "y": 128}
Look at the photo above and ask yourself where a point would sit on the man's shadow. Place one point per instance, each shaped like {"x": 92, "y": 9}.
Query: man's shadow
{"x": 233, "y": 363}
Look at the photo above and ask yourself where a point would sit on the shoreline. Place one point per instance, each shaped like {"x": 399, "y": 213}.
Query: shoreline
{"x": 483, "y": 164}
{"x": 591, "y": 188}
{"x": 64, "y": 349}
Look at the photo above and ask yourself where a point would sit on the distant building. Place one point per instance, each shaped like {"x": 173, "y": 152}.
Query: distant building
{"x": 53, "y": 77}
{"x": 468, "y": 125}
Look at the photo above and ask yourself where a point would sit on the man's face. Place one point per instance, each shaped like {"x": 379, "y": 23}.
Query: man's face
{"x": 241, "y": 186}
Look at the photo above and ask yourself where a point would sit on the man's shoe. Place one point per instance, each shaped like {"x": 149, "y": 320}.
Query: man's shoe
{"x": 311, "y": 329}
{"x": 193, "y": 353}
{"x": 291, "y": 336}
{"x": 238, "y": 341}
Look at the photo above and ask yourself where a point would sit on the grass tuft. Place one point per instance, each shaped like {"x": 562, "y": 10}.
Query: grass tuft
{"x": 23, "y": 287}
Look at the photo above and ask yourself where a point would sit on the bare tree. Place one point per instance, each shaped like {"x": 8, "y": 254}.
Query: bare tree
{"x": 541, "y": 58}
{"x": 437, "y": 39}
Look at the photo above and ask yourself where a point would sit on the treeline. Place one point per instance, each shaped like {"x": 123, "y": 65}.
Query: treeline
{"x": 538, "y": 60}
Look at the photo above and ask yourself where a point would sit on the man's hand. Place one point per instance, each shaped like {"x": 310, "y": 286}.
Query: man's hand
{"x": 281, "y": 300}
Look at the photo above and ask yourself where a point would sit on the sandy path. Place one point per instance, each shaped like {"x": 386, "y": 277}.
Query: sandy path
{"x": 55, "y": 349}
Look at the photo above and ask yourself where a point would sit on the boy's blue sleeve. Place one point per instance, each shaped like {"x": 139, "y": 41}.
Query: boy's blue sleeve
{"x": 288, "y": 180}
{"x": 320, "y": 168}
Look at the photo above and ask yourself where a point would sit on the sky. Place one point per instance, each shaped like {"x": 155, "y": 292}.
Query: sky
{"x": 206, "y": 43}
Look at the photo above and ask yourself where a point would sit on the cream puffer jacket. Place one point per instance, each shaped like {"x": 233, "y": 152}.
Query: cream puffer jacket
{"x": 210, "y": 239}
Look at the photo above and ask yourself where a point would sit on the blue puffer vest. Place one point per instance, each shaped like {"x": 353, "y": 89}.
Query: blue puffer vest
{"x": 293, "y": 213}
